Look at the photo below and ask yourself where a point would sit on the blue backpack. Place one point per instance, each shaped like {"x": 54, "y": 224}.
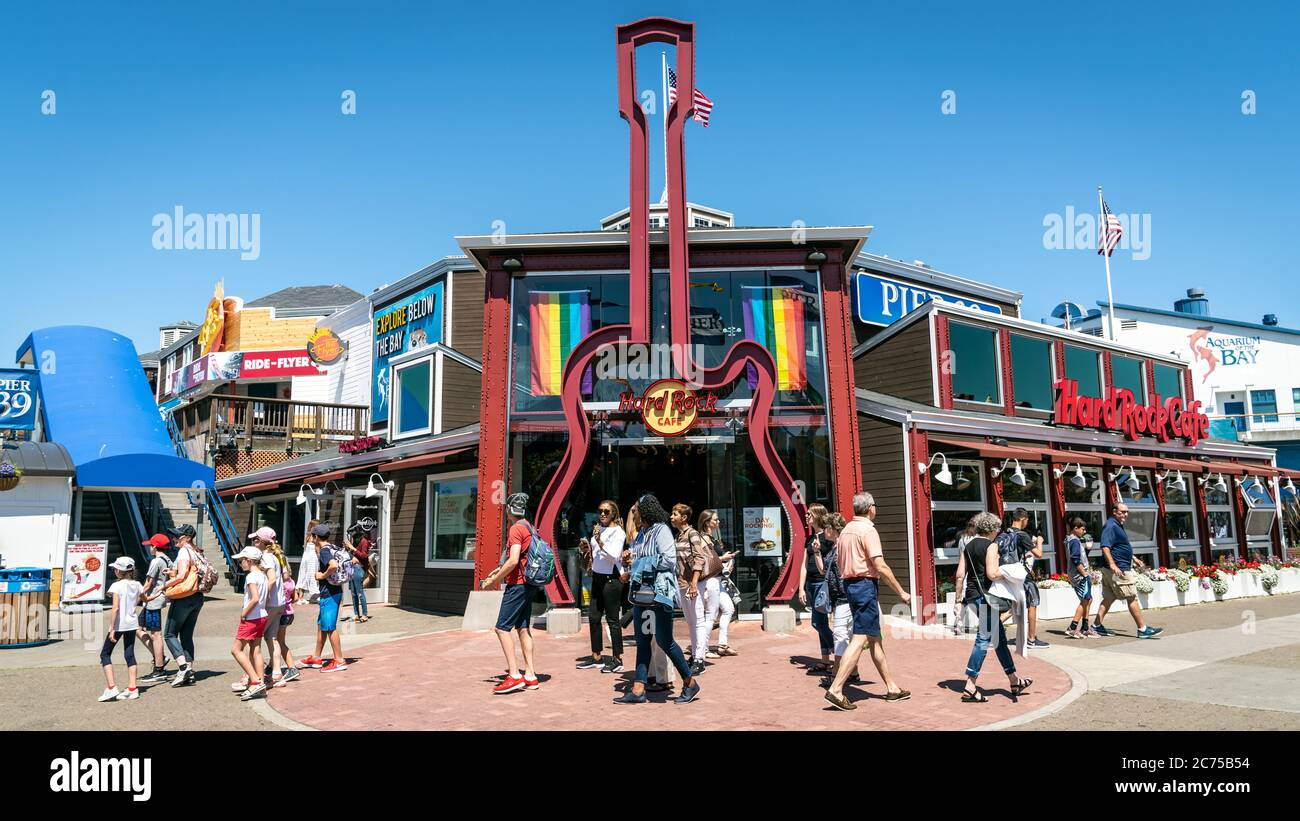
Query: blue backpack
{"x": 539, "y": 564}
{"x": 1008, "y": 543}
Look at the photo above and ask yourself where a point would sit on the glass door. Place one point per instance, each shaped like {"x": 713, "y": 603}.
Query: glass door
{"x": 367, "y": 519}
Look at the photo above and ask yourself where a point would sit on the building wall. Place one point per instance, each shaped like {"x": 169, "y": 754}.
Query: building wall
{"x": 901, "y": 366}
{"x": 254, "y": 329}
{"x": 410, "y": 582}
{"x": 349, "y": 380}
{"x": 460, "y": 394}
{"x": 309, "y": 388}
{"x": 466, "y": 324}
{"x": 34, "y": 520}
{"x": 884, "y": 478}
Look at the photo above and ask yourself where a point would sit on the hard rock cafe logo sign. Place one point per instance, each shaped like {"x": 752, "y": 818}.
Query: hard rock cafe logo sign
{"x": 668, "y": 407}
{"x": 1120, "y": 412}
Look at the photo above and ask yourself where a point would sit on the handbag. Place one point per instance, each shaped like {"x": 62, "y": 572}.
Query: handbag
{"x": 186, "y": 587}
{"x": 643, "y": 589}
{"x": 712, "y": 564}
{"x": 822, "y": 598}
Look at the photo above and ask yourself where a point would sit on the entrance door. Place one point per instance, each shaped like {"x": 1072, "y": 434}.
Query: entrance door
{"x": 367, "y": 518}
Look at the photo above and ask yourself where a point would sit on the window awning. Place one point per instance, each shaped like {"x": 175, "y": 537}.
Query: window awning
{"x": 231, "y": 491}
{"x": 1239, "y": 468}
{"x": 989, "y": 450}
{"x": 1082, "y": 457}
{"x": 419, "y": 461}
{"x": 1158, "y": 463}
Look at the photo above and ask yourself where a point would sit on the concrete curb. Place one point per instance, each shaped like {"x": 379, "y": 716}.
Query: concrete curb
{"x": 264, "y": 709}
{"x": 1078, "y": 686}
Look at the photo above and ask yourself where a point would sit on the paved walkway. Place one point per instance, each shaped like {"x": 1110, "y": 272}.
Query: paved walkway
{"x": 444, "y": 681}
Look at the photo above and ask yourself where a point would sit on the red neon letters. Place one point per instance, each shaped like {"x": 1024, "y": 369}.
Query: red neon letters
{"x": 1119, "y": 411}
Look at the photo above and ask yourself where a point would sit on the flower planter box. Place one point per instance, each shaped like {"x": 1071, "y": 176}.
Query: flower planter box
{"x": 1060, "y": 603}
{"x": 1164, "y": 594}
{"x": 1288, "y": 581}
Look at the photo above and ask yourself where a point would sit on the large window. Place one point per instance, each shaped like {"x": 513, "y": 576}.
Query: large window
{"x": 1180, "y": 517}
{"x": 974, "y": 363}
{"x": 288, "y": 520}
{"x": 1084, "y": 367}
{"x": 1129, "y": 374}
{"x": 1169, "y": 381}
{"x": 1264, "y": 405}
{"x": 952, "y": 507}
{"x": 413, "y": 398}
{"x": 1088, "y": 503}
{"x": 1218, "y": 503}
{"x": 451, "y": 521}
{"x": 1031, "y": 372}
{"x": 1260, "y": 510}
{"x": 1032, "y": 496}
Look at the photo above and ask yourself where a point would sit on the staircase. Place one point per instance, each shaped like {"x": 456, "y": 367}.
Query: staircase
{"x": 99, "y": 525}
{"x": 173, "y": 510}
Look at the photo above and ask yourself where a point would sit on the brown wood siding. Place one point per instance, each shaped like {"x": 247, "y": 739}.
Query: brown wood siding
{"x": 460, "y": 394}
{"x": 410, "y": 582}
{"x": 884, "y": 478}
{"x": 901, "y": 366}
{"x": 467, "y": 297}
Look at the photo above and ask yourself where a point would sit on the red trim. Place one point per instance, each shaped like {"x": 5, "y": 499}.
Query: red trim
{"x": 923, "y": 583}
{"x": 419, "y": 461}
{"x": 1188, "y": 386}
{"x": 1059, "y": 348}
{"x": 231, "y": 491}
{"x": 942, "y": 355}
{"x": 1162, "y": 533}
{"x": 1057, "y": 502}
{"x": 1106, "y": 372}
{"x": 1203, "y": 519}
{"x": 998, "y": 452}
{"x": 996, "y": 505}
{"x": 493, "y": 480}
{"x": 1239, "y": 507}
{"x": 1150, "y": 367}
{"x": 1067, "y": 456}
{"x": 837, "y": 319}
{"x": 1008, "y": 380}
{"x": 1112, "y": 492}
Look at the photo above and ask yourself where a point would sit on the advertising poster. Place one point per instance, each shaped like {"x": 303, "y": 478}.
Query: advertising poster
{"x": 402, "y": 326}
{"x": 762, "y": 529}
{"x": 85, "y": 568}
{"x": 18, "y": 389}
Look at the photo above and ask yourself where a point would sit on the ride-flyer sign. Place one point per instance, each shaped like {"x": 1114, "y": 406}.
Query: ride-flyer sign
{"x": 85, "y": 567}
{"x": 277, "y": 364}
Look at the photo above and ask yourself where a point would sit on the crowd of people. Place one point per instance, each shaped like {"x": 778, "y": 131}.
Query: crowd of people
{"x": 179, "y": 574}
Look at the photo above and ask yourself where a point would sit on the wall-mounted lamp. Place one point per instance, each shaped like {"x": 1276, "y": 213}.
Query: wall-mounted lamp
{"x": 1017, "y": 478}
{"x": 944, "y": 475}
{"x": 513, "y": 267}
{"x": 337, "y": 486}
{"x": 372, "y": 491}
{"x": 1078, "y": 479}
{"x": 302, "y": 497}
{"x": 1131, "y": 482}
{"x": 815, "y": 259}
{"x": 1290, "y": 486}
{"x": 1178, "y": 482}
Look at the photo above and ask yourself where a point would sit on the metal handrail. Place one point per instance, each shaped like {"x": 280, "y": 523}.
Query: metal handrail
{"x": 221, "y": 524}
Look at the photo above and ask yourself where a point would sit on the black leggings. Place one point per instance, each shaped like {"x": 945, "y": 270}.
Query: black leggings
{"x": 606, "y": 599}
{"x": 127, "y": 638}
{"x": 182, "y": 618}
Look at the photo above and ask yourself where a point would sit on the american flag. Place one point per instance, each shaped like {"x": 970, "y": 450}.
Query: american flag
{"x": 703, "y": 105}
{"x": 1111, "y": 231}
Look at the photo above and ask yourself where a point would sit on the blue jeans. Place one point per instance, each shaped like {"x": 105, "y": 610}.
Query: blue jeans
{"x": 182, "y": 617}
{"x": 988, "y": 621}
{"x": 359, "y": 605}
{"x": 821, "y": 623}
{"x": 663, "y": 636}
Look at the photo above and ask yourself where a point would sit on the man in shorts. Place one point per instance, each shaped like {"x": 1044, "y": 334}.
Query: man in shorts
{"x": 1118, "y": 579}
{"x": 517, "y": 601}
{"x": 151, "y": 628}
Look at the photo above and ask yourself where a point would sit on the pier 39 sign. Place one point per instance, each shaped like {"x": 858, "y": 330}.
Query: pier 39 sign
{"x": 881, "y": 301}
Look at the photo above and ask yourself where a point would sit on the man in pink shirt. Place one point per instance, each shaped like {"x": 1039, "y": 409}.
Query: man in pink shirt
{"x": 862, "y": 565}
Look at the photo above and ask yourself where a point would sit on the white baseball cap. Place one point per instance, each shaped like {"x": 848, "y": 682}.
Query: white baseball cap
{"x": 251, "y": 553}
{"x": 123, "y": 563}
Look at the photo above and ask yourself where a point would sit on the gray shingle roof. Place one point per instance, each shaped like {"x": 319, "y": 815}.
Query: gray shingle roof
{"x": 307, "y": 296}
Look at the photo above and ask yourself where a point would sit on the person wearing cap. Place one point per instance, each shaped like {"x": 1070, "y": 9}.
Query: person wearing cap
{"x": 264, "y": 540}
{"x": 122, "y": 627}
{"x": 331, "y": 598}
{"x": 247, "y": 648}
{"x": 183, "y": 614}
{"x": 151, "y": 617}
{"x": 517, "y": 601}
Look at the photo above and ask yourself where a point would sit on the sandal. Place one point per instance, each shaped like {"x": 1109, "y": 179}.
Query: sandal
{"x": 823, "y": 667}
{"x": 976, "y": 697}
{"x": 1021, "y": 686}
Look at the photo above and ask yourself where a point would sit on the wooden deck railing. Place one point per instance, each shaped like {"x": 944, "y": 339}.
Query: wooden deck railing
{"x": 256, "y": 422}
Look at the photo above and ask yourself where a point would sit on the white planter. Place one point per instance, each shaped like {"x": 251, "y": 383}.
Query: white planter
{"x": 1164, "y": 594}
{"x": 1058, "y": 603}
{"x": 1288, "y": 580}
{"x": 1250, "y": 584}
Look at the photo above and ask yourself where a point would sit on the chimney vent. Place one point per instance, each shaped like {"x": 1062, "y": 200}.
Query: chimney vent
{"x": 1270, "y": 319}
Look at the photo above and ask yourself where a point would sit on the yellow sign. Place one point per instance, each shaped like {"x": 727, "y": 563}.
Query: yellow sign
{"x": 210, "y": 334}
{"x": 668, "y": 406}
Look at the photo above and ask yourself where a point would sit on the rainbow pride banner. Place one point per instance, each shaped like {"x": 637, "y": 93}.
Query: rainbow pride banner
{"x": 558, "y": 320}
{"x": 774, "y": 318}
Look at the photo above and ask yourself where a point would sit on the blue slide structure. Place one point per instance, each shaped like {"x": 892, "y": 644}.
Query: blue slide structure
{"x": 96, "y": 403}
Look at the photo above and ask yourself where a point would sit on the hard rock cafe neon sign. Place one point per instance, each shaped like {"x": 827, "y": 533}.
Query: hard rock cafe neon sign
{"x": 669, "y": 407}
{"x": 1120, "y": 412}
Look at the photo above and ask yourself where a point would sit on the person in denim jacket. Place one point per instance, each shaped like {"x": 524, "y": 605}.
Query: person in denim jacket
{"x": 654, "y": 548}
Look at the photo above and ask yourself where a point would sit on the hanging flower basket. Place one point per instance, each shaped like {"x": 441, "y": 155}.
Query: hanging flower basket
{"x": 10, "y": 475}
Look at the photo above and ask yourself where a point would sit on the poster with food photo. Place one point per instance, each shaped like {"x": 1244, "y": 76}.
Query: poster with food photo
{"x": 762, "y": 529}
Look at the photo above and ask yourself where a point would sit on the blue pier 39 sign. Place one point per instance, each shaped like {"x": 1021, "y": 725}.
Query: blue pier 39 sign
{"x": 881, "y": 301}
{"x": 18, "y": 390}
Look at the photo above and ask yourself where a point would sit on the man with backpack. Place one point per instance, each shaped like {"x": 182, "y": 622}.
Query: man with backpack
{"x": 1015, "y": 541}
{"x": 517, "y": 603}
{"x": 335, "y": 571}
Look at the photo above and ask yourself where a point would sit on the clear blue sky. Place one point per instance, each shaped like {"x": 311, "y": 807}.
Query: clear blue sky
{"x": 825, "y": 113}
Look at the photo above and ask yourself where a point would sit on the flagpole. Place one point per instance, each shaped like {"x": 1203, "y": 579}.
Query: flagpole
{"x": 1110, "y": 293}
{"x": 664, "y": 56}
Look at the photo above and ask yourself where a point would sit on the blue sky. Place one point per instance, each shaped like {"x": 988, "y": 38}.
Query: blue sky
{"x": 826, "y": 113}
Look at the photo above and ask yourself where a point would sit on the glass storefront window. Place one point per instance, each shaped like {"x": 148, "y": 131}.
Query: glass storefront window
{"x": 1142, "y": 507}
{"x": 1169, "y": 381}
{"x": 974, "y": 363}
{"x": 1129, "y": 374}
{"x": 413, "y": 398}
{"x": 1033, "y": 498}
{"x": 1259, "y": 518}
{"x": 1084, "y": 366}
{"x": 1221, "y": 529}
{"x": 952, "y": 506}
{"x": 1180, "y": 512}
{"x": 1088, "y": 503}
{"x": 451, "y": 522}
{"x": 1181, "y": 526}
{"x": 1031, "y": 372}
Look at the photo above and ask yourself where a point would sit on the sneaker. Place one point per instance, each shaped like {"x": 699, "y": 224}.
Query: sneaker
{"x": 313, "y": 663}
{"x": 253, "y": 692}
{"x": 130, "y": 694}
{"x": 697, "y": 668}
{"x": 156, "y": 676}
{"x": 631, "y": 698}
{"x": 1098, "y": 630}
{"x": 1150, "y": 632}
{"x": 292, "y": 674}
{"x": 510, "y": 685}
{"x": 110, "y": 694}
{"x": 532, "y": 684}
{"x": 183, "y": 676}
{"x": 689, "y": 692}
{"x": 1039, "y": 643}
{"x": 612, "y": 666}
{"x": 1091, "y": 634}
{"x": 589, "y": 663}
{"x": 1073, "y": 634}
{"x": 241, "y": 685}
{"x": 334, "y": 664}
{"x": 277, "y": 680}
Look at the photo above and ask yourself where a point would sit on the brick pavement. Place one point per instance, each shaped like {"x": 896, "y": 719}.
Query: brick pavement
{"x": 443, "y": 681}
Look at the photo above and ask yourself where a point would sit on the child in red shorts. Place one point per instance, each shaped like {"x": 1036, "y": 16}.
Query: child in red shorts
{"x": 247, "y": 648}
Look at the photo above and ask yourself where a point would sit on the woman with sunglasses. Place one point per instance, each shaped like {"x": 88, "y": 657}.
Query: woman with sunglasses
{"x": 606, "y": 550}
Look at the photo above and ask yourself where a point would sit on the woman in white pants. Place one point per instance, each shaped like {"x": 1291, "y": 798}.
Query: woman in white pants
{"x": 718, "y": 606}
{"x": 841, "y": 614}
{"x": 692, "y": 571}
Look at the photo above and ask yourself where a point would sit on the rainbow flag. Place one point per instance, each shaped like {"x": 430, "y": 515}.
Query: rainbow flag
{"x": 774, "y": 319}
{"x": 558, "y": 320}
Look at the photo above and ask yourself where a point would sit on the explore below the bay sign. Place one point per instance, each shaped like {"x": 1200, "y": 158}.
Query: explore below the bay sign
{"x": 1120, "y": 411}
{"x": 668, "y": 406}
